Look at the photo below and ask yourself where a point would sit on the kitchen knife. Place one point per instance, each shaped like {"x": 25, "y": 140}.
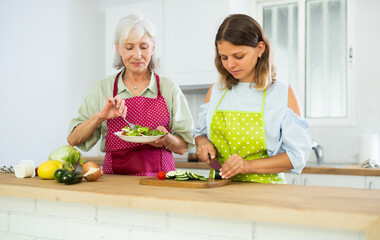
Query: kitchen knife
{"x": 214, "y": 163}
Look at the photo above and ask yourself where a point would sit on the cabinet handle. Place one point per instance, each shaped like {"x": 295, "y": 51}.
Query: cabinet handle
{"x": 305, "y": 181}
{"x": 294, "y": 181}
{"x": 371, "y": 185}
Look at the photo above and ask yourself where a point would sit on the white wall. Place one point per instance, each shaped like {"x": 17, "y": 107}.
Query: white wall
{"x": 52, "y": 52}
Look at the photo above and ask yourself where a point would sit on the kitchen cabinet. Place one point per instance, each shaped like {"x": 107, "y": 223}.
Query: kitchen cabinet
{"x": 372, "y": 182}
{"x": 185, "y": 35}
{"x": 333, "y": 180}
{"x": 293, "y": 179}
{"x": 189, "y": 33}
{"x": 329, "y": 180}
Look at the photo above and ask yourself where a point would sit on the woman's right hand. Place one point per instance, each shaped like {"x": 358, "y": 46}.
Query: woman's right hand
{"x": 114, "y": 107}
{"x": 205, "y": 149}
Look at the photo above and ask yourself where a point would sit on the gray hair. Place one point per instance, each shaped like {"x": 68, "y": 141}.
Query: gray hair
{"x": 134, "y": 27}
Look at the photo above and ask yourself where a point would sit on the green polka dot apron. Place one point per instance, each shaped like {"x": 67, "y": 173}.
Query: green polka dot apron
{"x": 243, "y": 133}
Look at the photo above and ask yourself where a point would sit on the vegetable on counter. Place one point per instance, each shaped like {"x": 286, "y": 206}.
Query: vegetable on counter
{"x": 72, "y": 177}
{"x": 93, "y": 174}
{"x": 181, "y": 175}
{"x": 161, "y": 175}
{"x": 68, "y": 155}
{"x": 59, "y": 174}
{"x": 91, "y": 171}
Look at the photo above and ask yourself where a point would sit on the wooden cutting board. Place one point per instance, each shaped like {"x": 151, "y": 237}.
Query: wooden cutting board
{"x": 211, "y": 183}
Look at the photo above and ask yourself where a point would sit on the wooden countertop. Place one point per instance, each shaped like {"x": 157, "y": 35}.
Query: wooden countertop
{"x": 342, "y": 208}
{"x": 338, "y": 170}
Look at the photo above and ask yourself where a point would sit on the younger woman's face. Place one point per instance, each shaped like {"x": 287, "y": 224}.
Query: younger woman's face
{"x": 240, "y": 60}
{"x": 137, "y": 54}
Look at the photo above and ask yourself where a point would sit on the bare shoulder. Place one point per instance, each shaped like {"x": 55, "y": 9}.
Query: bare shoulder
{"x": 208, "y": 96}
{"x": 293, "y": 102}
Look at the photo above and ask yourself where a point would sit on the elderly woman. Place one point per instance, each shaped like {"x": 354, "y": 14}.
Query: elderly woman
{"x": 142, "y": 97}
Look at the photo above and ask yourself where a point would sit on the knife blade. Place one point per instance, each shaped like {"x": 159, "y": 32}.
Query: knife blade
{"x": 214, "y": 163}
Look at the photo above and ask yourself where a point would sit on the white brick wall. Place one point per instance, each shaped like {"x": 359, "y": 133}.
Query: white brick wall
{"x": 28, "y": 219}
{"x": 8, "y": 236}
{"x": 33, "y": 225}
{"x": 210, "y": 225}
{"x": 263, "y": 231}
{"x": 25, "y": 205}
{"x": 132, "y": 217}
{"x": 64, "y": 209}
{"x": 3, "y": 222}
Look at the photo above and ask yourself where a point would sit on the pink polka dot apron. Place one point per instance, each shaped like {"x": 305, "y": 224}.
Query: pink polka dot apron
{"x": 136, "y": 158}
{"x": 243, "y": 133}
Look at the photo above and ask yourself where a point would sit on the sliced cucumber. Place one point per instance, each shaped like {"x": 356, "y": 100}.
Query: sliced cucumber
{"x": 171, "y": 174}
{"x": 181, "y": 175}
{"x": 202, "y": 178}
{"x": 181, "y": 178}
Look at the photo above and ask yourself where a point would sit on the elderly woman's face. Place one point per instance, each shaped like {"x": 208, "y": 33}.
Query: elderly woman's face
{"x": 136, "y": 55}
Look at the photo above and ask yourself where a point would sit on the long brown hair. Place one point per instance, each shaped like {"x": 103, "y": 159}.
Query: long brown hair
{"x": 241, "y": 29}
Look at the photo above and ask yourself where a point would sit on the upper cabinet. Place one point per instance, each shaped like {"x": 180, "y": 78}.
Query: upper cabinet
{"x": 185, "y": 35}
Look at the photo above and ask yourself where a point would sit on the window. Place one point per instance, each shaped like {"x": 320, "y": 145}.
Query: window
{"x": 313, "y": 52}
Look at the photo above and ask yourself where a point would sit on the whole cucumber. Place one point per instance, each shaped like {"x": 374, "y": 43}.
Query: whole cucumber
{"x": 58, "y": 174}
{"x": 72, "y": 177}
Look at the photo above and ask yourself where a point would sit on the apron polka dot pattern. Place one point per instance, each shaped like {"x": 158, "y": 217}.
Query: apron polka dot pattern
{"x": 242, "y": 133}
{"x": 147, "y": 112}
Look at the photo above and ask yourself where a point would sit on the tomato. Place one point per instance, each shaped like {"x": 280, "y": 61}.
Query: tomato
{"x": 161, "y": 175}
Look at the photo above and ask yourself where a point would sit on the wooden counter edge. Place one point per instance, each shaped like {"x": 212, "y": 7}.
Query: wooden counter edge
{"x": 365, "y": 222}
{"x": 345, "y": 170}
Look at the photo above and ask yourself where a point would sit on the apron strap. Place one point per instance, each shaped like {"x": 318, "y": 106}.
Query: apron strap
{"x": 158, "y": 85}
{"x": 220, "y": 100}
{"x": 262, "y": 104}
{"x": 115, "y": 84}
{"x": 117, "y": 77}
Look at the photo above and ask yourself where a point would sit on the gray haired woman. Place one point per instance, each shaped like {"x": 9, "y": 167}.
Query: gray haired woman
{"x": 142, "y": 97}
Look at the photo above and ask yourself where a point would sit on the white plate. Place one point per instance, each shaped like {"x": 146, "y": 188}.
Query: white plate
{"x": 137, "y": 139}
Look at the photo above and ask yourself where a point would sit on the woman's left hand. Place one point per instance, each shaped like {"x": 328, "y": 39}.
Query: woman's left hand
{"x": 234, "y": 165}
{"x": 164, "y": 141}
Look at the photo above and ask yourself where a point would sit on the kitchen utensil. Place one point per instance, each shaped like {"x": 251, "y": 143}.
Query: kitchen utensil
{"x": 131, "y": 125}
{"x": 211, "y": 183}
{"x": 214, "y": 163}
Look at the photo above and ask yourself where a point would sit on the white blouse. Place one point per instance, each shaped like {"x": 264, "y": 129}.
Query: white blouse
{"x": 285, "y": 131}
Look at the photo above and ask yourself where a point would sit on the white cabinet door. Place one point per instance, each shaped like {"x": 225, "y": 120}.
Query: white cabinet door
{"x": 190, "y": 30}
{"x": 190, "y": 27}
{"x": 292, "y": 179}
{"x": 372, "y": 182}
{"x": 333, "y": 180}
{"x": 152, "y": 9}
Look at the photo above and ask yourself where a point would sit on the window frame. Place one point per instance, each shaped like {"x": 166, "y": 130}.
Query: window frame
{"x": 349, "y": 120}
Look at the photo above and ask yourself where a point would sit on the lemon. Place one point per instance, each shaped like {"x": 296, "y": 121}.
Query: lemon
{"x": 47, "y": 169}
{"x": 59, "y": 163}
